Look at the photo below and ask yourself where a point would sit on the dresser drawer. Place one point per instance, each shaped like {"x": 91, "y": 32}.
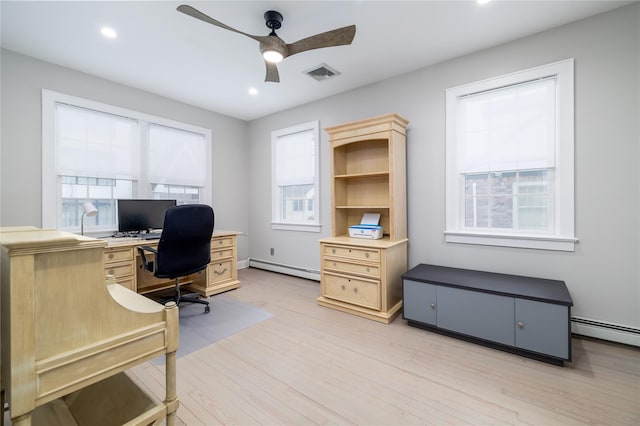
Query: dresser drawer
{"x": 118, "y": 254}
{"x": 221, "y": 242}
{"x": 119, "y": 270}
{"x": 356, "y": 291}
{"x": 357, "y": 253}
{"x": 372, "y": 270}
{"x": 221, "y": 254}
{"x": 220, "y": 271}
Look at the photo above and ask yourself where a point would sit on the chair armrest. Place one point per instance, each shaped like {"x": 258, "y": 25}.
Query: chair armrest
{"x": 146, "y": 264}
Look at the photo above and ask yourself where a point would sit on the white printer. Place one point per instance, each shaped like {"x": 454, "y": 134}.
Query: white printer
{"x": 368, "y": 227}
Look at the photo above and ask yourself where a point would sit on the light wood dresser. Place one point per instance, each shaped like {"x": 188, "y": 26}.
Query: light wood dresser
{"x": 68, "y": 336}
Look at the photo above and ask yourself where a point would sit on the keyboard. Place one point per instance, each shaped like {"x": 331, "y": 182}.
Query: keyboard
{"x": 150, "y": 236}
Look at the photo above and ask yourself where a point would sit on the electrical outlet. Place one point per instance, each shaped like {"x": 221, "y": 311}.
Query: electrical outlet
{"x": 272, "y": 251}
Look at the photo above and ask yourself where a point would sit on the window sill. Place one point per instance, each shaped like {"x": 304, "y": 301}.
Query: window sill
{"x": 509, "y": 240}
{"x": 295, "y": 227}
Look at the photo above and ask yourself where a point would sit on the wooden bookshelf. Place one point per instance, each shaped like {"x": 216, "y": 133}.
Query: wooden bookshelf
{"x": 368, "y": 175}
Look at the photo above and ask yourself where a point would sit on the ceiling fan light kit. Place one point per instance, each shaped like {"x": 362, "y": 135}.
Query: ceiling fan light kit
{"x": 272, "y": 56}
{"x": 272, "y": 47}
{"x": 274, "y": 50}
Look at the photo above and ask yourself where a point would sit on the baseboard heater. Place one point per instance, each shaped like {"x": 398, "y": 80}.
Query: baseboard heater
{"x": 605, "y": 330}
{"x": 296, "y": 271}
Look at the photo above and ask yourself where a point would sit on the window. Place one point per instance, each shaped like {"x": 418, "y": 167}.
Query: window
{"x": 510, "y": 160}
{"x": 294, "y": 162}
{"x": 100, "y": 153}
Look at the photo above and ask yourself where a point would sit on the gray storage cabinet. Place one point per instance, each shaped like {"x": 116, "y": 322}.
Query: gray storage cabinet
{"x": 525, "y": 315}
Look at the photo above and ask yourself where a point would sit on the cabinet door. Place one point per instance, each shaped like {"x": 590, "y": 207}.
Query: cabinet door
{"x": 543, "y": 328}
{"x": 482, "y": 315}
{"x": 419, "y": 301}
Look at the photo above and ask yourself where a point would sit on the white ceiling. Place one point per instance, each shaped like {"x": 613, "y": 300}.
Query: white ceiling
{"x": 174, "y": 55}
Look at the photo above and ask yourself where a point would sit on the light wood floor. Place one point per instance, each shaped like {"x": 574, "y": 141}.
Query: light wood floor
{"x": 313, "y": 365}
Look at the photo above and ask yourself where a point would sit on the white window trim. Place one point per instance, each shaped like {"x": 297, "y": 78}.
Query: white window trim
{"x": 50, "y": 188}
{"x": 290, "y": 226}
{"x": 564, "y": 238}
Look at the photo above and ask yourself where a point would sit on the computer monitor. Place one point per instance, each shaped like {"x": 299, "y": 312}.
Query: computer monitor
{"x": 142, "y": 215}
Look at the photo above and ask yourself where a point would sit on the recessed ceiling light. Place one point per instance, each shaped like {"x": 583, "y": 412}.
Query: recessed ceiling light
{"x": 108, "y": 32}
{"x": 253, "y": 91}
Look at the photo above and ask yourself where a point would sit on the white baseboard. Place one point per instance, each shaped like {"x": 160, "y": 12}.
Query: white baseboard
{"x": 296, "y": 271}
{"x": 606, "y": 331}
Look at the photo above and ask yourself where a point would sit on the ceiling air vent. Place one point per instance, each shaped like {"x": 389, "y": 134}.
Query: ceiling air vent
{"x": 322, "y": 72}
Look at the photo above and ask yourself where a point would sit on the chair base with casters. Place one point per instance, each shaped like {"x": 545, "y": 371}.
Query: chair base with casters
{"x": 178, "y": 298}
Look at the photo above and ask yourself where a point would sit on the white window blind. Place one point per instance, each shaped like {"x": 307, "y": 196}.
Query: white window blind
{"x": 511, "y": 128}
{"x": 295, "y": 156}
{"x": 178, "y": 157}
{"x": 95, "y": 144}
{"x": 294, "y": 178}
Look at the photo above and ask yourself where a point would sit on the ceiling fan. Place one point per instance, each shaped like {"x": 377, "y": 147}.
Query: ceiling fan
{"x": 272, "y": 47}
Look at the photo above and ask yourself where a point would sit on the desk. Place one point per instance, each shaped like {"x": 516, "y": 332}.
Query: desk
{"x": 122, "y": 260}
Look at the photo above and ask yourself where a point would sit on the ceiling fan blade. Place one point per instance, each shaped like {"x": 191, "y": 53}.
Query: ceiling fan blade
{"x": 338, "y": 37}
{"x": 272, "y": 72}
{"x": 195, "y": 13}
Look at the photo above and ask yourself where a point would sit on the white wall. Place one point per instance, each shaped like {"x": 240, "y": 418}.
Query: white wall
{"x": 603, "y": 273}
{"x": 22, "y": 80}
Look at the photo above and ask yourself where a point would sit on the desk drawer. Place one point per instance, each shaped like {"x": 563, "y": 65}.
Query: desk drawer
{"x": 118, "y": 254}
{"x": 356, "y": 291}
{"x": 372, "y": 270}
{"x": 220, "y": 271}
{"x": 221, "y": 242}
{"x": 221, "y": 254}
{"x": 119, "y": 269}
{"x": 357, "y": 253}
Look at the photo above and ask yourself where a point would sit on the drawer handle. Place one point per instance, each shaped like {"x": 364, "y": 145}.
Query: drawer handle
{"x": 520, "y": 325}
{"x": 333, "y": 251}
{"x": 368, "y": 270}
{"x": 355, "y": 289}
{"x": 366, "y": 255}
{"x": 343, "y": 286}
{"x": 110, "y": 256}
{"x": 111, "y": 271}
{"x": 349, "y": 250}
{"x": 221, "y": 272}
{"x": 334, "y": 264}
{"x": 433, "y": 306}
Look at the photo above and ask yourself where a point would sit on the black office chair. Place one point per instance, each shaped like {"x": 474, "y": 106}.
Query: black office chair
{"x": 184, "y": 247}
